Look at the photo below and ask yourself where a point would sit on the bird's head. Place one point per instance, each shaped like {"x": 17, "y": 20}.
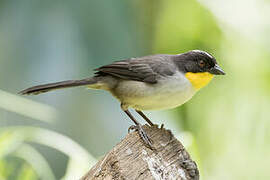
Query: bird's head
{"x": 199, "y": 67}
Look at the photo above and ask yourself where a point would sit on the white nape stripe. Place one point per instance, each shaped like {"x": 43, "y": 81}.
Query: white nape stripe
{"x": 203, "y": 52}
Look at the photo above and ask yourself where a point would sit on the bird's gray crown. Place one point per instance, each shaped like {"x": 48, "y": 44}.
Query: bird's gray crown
{"x": 197, "y": 61}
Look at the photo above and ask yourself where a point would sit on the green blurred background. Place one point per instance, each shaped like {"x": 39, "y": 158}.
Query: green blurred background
{"x": 60, "y": 135}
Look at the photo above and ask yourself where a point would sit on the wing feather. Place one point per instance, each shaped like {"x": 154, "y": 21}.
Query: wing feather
{"x": 146, "y": 69}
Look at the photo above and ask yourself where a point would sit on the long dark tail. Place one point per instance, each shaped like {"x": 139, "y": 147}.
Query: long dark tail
{"x": 58, "y": 85}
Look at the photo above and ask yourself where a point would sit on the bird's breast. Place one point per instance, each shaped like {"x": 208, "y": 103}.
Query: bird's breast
{"x": 169, "y": 92}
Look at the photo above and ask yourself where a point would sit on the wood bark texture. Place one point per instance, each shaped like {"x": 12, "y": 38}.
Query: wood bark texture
{"x": 131, "y": 159}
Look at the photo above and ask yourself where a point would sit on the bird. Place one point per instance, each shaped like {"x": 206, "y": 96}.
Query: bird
{"x": 153, "y": 82}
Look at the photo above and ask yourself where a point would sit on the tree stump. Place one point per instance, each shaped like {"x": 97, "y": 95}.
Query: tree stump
{"x": 132, "y": 159}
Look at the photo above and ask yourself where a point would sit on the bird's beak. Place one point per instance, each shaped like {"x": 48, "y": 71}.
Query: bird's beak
{"x": 216, "y": 70}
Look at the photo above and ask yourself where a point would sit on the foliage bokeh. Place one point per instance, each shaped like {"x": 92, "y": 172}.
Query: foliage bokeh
{"x": 225, "y": 126}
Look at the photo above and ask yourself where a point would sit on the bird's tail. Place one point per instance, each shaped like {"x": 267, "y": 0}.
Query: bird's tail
{"x": 58, "y": 85}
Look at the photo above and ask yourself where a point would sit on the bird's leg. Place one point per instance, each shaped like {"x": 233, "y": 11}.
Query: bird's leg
{"x": 139, "y": 128}
{"x": 148, "y": 120}
{"x": 145, "y": 118}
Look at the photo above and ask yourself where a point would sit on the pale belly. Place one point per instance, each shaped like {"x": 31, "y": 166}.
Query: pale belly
{"x": 166, "y": 94}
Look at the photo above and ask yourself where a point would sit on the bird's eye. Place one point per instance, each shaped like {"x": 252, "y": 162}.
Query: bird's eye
{"x": 201, "y": 63}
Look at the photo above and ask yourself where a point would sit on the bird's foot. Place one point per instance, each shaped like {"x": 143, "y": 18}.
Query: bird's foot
{"x": 161, "y": 126}
{"x": 142, "y": 134}
{"x": 157, "y": 125}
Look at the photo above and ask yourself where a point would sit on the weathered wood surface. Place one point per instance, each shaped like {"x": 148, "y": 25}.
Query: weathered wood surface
{"x": 131, "y": 159}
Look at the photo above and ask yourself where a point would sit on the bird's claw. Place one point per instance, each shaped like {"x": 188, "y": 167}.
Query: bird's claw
{"x": 131, "y": 128}
{"x": 142, "y": 134}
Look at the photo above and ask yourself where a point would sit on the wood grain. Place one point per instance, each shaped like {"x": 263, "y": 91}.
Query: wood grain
{"x": 131, "y": 159}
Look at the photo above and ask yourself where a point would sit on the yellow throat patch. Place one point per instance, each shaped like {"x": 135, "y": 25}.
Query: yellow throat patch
{"x": 199, "y": 80}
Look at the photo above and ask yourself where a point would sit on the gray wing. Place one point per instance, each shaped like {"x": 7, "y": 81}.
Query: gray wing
{"x": 146, "y": 69}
